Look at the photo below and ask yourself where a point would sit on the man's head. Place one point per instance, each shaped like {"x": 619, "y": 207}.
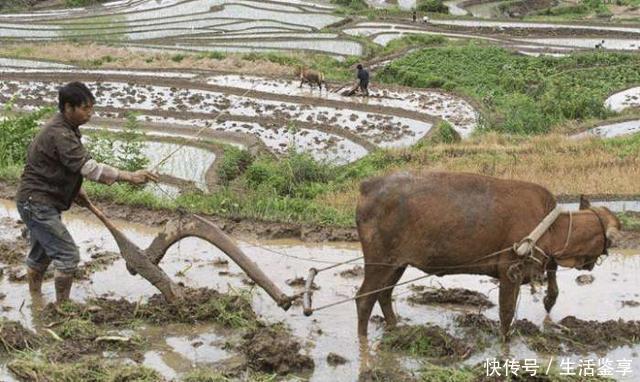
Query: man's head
{"x": 75, "y": 102}
{"x": 359, "y": 66}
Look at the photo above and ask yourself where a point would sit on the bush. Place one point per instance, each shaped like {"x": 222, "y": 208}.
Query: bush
{"x": 356, "y": 5}
{"x": 234, "y": 163}
{"x": 296, "y": 174}
{"x": 124, "y": 150}
{"x": 521, "y": 94}
{"x": 17, "y": 132}
{"x": 432, "y": 6}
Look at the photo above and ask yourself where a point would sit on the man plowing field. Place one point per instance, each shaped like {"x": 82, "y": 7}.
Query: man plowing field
{"x": 57, "y": 162}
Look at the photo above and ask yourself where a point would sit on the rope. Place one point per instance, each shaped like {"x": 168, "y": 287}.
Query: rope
{"x": 369, "y": 293}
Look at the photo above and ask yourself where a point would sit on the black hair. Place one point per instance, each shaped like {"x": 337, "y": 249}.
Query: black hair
{"x": 75, "y": 94}
{"x": 359, "y": 66}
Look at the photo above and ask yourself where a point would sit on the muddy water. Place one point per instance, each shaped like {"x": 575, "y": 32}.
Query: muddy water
{"x": 380, "y": 129}
{"x": 331, "y": 330}
{"x": 485, "y": 10}
{"x": 610, "y": 44}
{"x": 516, "y": 25}
{"x": 455, "y": 9}
{"x": 612, "y": 130}
{"x": 457, "y": 111}
{"x": 624, "y": 99}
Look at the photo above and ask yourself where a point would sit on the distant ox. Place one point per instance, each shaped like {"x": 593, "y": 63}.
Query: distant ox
{"x": 452, "y": 223}
{"x": 312, "y": 77}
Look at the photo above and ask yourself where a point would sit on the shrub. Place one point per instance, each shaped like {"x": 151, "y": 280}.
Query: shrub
{"x": 234, "y": 163}
{"x": 432, "y": 6}
{"x": 17, "y": 132}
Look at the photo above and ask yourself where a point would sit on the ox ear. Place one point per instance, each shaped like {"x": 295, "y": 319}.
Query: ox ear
{"x": 584, "y": 203}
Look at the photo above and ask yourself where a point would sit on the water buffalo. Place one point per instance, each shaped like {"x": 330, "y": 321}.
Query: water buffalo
{"x": 451, "y": 223}
{"x": 312, "y": 77}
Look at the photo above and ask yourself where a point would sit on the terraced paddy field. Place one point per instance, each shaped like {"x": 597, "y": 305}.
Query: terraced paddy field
{"x": 211, "y": 90}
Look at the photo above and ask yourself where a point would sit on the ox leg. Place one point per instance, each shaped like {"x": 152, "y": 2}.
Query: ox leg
{"x": 301, "y": 83}
{"x": 375, "y": 277}
{"x": 384, "y": 299}
{"x": 552, "y": 287}
{"x": 508, "y": 298}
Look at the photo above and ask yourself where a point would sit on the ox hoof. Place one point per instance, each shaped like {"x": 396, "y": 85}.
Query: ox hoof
{"x": 549, "y": 303}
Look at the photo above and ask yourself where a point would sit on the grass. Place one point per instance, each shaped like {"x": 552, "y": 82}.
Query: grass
{"x": 205, "y": 375}
{"x": 523, "y": 95}
{"x": 32, "y": 367}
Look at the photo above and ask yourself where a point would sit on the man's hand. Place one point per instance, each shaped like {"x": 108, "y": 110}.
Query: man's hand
{"x": 139, "y": 177}
{"x": 83, "y": 199}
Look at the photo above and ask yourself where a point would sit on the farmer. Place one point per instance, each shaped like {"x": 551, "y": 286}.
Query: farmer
{"x": 363, "y": 77}
{"x": 56, "y": 164}
{"x": 414, "y": 15}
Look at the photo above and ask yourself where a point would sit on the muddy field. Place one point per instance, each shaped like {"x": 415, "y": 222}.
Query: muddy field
{"x": 591, "y": 319}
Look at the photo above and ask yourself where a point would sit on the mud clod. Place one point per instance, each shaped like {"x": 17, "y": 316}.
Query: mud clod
{"x": 334, "y": 359}
{"x": 300, "y": 283}
{"x": 426, "y": 341}
{"x": 357, "y": 271}
{"x": 14, "y": 337}
{"x": 585, "y": 279}
{"x": 198, "y": 305}
{"x": 272, "y": 349}
{"x": 458, "y": 296}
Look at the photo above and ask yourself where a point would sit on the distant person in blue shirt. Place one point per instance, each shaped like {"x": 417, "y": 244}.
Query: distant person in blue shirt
{"x": 363, "y": 77}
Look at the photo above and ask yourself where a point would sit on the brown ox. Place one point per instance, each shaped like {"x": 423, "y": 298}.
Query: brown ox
{"x": 312, "y": 77}
{"x": 451, "y": 223}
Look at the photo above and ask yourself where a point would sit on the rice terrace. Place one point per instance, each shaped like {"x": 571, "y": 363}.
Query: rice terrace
{"x": 337, "y": 190}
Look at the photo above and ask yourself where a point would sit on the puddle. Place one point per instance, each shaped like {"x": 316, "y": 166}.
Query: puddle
{"x": 172, "y": 352}
{"x": 190, "y": 163}
{"x": 624, "y": 99}
{"x": 613, "y": 130}
{"x": 612, "y": 44}
{"x": 455, "y": 9}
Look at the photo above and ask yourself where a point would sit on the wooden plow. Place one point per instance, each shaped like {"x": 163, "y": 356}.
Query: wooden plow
{"x": 145, "y": 262}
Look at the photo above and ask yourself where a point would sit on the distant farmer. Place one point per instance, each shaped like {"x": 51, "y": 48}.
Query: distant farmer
{"x": 57, "y": 162}
{"x": 414, "y": 15}
{"x": 363, "y": 77}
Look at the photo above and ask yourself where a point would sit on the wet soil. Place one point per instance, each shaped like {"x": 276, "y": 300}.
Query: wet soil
{"x": 13, "y": 252}
{"x": 429, "y": 341}
{"x": 569, "y": 335}
{"x": 456, "y": 296}
{"x": 14, "y": 337}
{"x": 198, "y": 305}
{"x": 272, "y": 349}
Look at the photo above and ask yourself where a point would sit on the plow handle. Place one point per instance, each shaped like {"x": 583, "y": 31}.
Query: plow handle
{"x": 306, "y": 297}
